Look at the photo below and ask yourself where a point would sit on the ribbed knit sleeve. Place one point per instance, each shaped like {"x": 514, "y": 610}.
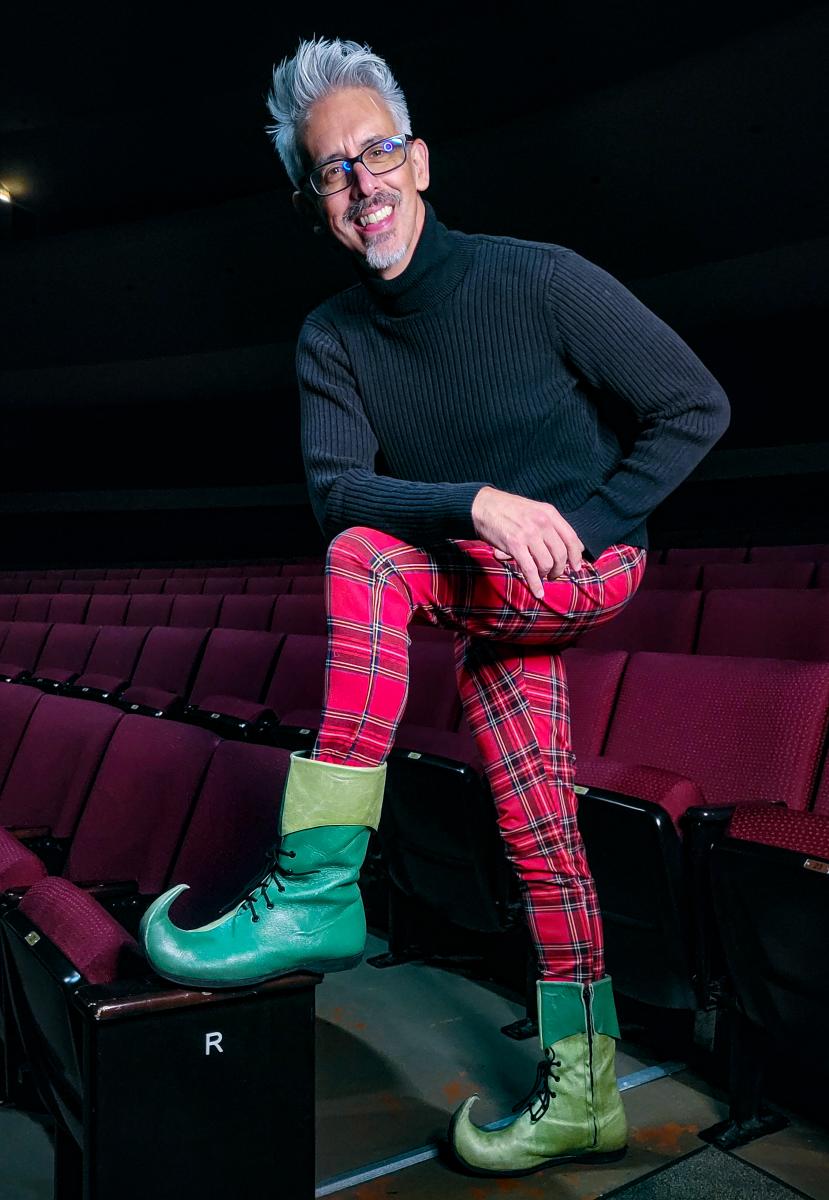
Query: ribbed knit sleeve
{"x": 618, "y": 344}
{"x": 339, "y": 450}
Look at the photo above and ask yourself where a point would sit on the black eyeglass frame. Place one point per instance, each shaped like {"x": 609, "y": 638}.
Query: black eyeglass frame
{"x": 349, "y": 164}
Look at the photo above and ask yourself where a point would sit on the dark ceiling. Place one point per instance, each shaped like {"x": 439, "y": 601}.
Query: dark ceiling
{"x": 110, "y": 113}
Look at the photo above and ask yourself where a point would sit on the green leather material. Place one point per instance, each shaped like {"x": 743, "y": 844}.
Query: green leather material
{"x": 584, "y": 1120}
{"x": 308, "y": 916}
{"x": 321, "y": 793}
{"x": 563, "y": 1009}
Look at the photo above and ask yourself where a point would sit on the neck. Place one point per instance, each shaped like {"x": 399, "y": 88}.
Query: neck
{"x": 432, "y": 270}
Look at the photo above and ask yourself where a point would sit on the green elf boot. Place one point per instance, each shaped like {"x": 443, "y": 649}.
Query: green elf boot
{"x": 574, "y": 1112}
{"x": 306, "y": 912}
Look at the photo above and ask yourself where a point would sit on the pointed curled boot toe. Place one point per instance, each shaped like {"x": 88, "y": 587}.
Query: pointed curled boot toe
{"x": 306, "y": 912}
{"x": 574, "y": 1111}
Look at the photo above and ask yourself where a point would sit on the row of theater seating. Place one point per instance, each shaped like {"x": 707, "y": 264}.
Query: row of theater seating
{"x": 241, "y": 678}
{"x": 259, "y": 585}
{"x": 761, "y": 622}
{"x": 305, "y": 566}
{"x": 144, "y": 803}
{"x": 667, "y": 746}
{"x": 693, "y": 555}
{"x": 705, "y": 576}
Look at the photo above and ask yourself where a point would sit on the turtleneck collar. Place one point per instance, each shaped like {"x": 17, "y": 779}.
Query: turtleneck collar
{"x": 439, "y": 261}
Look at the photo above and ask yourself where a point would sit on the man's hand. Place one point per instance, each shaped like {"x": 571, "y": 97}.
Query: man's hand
{"x": 535, "y": 534}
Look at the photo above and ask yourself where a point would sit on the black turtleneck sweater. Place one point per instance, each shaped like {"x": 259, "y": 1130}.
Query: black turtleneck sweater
{"x": 496, "y": 361}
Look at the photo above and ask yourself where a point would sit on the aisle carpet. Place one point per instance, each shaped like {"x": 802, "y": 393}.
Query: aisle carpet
{"x": 706, "y": 1172}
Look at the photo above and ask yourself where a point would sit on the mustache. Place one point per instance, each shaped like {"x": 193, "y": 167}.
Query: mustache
{"x": 378, "y": 199}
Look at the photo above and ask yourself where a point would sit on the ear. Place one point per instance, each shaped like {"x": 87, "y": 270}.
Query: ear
{"x": 419, "y": 154}
{"x": 307, "y": 210}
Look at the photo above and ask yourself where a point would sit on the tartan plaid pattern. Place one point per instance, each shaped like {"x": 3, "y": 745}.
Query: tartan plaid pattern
{"x": 513, "y": 688}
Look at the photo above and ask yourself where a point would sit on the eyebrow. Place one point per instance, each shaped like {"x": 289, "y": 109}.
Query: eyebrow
{"x": 342, "y": 155}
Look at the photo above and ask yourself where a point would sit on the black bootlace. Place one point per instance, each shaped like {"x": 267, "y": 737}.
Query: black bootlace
{"x": 274, "y": 874}
{"x": 540, "y": 1093}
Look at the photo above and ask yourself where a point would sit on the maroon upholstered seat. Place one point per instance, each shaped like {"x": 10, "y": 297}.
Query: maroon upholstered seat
{"x": 299, "y": 614}
{"x": 237, "y": 810}
{"x": 22, "y": 647}
{"x": 669, "y": 575}
{"x": 90, "y": 573}
{"x": 303, "y": 585}
{"x": 237, "y": 665}
{"x": 137, "y": 811}
{"x": 165, "y": 669}
{"x": 8, "y": 605}
{"x": 107, "y": 610}
{"x": 69, "y": 609}
{"x": 223, "y": 585}
{"x": 110, "y": 587}
{"x": 766, "y": 623}
{"x": 697, "y": 555}
{"x": 75, "y": 587}
{"x": 20, "y": 867}
{"x": 742, "y": 729}
{"x": 112, "y": 662}
{"x": 310, "y": 567}
{"x": 246, "y": 612}
{"x": 770, "y": 825}
{"x": 65, "y": 653}
{"x": 267, "y": 585}
{"x": 55, "y": 764}
{"x": 593, "y": 679}
{"x": 812, "y": 552}
{"x": 33, "y": 608}
{"x": 299, "y": 675}
{"x": 195, "y": 611}
{"x": 94, "y": 942}
{"x": 16, "y": 707}
{"x": 653, "y": 620}
{"x": 149, "y": 610}
{"x": 761, "y": 575}
{"x": 145, "y": 586}
{"x": 224, "y": 573}
{"x": 183, "y": 586}
{"x": 122, "y": 572}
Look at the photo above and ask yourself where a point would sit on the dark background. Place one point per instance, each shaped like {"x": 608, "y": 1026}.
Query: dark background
{"x": 154, "y": 277}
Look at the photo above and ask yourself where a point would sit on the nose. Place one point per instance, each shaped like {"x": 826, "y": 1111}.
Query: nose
{"x": 363, "y": 183}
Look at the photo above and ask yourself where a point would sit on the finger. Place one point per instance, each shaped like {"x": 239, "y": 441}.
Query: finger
{"x": 529, "y": 569}
{"x": 555, "y": 553}
{"x": 502, "y": 555}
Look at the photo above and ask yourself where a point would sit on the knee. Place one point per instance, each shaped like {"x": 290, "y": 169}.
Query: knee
{"x": 358, "y": 545}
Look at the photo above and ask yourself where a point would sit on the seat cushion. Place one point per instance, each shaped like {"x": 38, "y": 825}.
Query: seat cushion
{"x": 774, "y": 825}
{"x": 93, "y": 941}
{"x": 19, "y": 867}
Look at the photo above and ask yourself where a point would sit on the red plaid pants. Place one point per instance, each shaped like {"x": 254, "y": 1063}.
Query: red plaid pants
{"x": 514, "y": 692}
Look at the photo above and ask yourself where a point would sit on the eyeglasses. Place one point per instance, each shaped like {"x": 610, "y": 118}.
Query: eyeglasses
{"x": 377, "y": 159}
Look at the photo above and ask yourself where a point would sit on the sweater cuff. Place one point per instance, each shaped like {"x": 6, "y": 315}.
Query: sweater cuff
{"x": 462, "y": 500}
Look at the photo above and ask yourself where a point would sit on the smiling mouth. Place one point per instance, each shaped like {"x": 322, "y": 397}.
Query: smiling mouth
{"x": 375, "y": 217}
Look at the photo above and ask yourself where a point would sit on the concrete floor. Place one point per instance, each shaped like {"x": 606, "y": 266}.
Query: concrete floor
{"x": 397, "y": 1050}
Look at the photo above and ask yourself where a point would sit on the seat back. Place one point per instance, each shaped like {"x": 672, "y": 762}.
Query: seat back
{"x": 66, "y": 649}
{"x": 236, "y": 662}
{"x": 200, "y": 612}
{"x": 23, "y": 644}
{"x": 697, "y": 555}
{"x": 107, "y": 610}
{"x": 663, "y": 620}
{"x": 169, "y": 658}
{"x": 742, "y": 729}
{"x": 761, "y": 575}
{"x": 593, "y": 680}
{"x": 143, "y": 794}
{"x": 246, "y": 612}
{"x": 55, "y": 763}
{"x": 68, "y": 609}
{"x": 300, "y": 614}
{"x": 149, "y": 610}
{"x": 234, "y": 823}
{"x": 766, "y": 623}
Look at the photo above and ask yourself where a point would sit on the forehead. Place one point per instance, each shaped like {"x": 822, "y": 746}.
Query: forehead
{"x": 343, "y": 122}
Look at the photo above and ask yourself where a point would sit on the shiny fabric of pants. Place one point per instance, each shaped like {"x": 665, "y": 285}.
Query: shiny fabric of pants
{"x": 513, "y": 689}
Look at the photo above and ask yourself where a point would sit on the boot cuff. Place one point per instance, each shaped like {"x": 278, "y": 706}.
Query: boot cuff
{"x": 322, "y": 793}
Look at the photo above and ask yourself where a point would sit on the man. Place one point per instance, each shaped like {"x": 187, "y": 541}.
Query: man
{"x": 506, "y": 510}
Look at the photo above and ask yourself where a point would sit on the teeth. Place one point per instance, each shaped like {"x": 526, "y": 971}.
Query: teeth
{"x": 374, "y": 217}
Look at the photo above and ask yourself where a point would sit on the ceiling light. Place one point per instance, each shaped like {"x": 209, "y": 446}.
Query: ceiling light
{"x": 5, "y": 195}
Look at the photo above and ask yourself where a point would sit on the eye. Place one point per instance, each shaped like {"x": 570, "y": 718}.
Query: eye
{"x": 332, "y": 172}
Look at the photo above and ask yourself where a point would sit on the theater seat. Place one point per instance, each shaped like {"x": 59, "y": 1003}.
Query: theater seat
{"x": 164, "y": 672}
{"x": 109, "y": 1043}
{"x": 766, "y": 623}
{"x": 769, "y": 879}
{"x": 698, "y": 733}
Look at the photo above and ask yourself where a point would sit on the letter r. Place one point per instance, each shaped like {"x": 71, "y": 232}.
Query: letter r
{"x": 213, "y": 1041}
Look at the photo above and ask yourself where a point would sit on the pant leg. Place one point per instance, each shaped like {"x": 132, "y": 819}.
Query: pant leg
{"x": 374, "y": 583}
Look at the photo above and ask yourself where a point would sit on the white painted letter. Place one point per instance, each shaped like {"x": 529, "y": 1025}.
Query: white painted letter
{"x": 213, "y": 1041}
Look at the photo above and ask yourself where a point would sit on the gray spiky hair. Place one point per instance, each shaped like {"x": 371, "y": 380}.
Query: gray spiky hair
{"x": 319, "y": 67}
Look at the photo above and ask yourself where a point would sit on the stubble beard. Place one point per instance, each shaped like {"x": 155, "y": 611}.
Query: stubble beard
{"x": 380, "y": 251}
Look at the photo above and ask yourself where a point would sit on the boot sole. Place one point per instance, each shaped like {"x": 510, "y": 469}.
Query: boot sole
{"x": 321, "y": 967}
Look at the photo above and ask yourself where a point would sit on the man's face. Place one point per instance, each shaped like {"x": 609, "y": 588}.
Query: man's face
{"x": 341, "y": 126}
